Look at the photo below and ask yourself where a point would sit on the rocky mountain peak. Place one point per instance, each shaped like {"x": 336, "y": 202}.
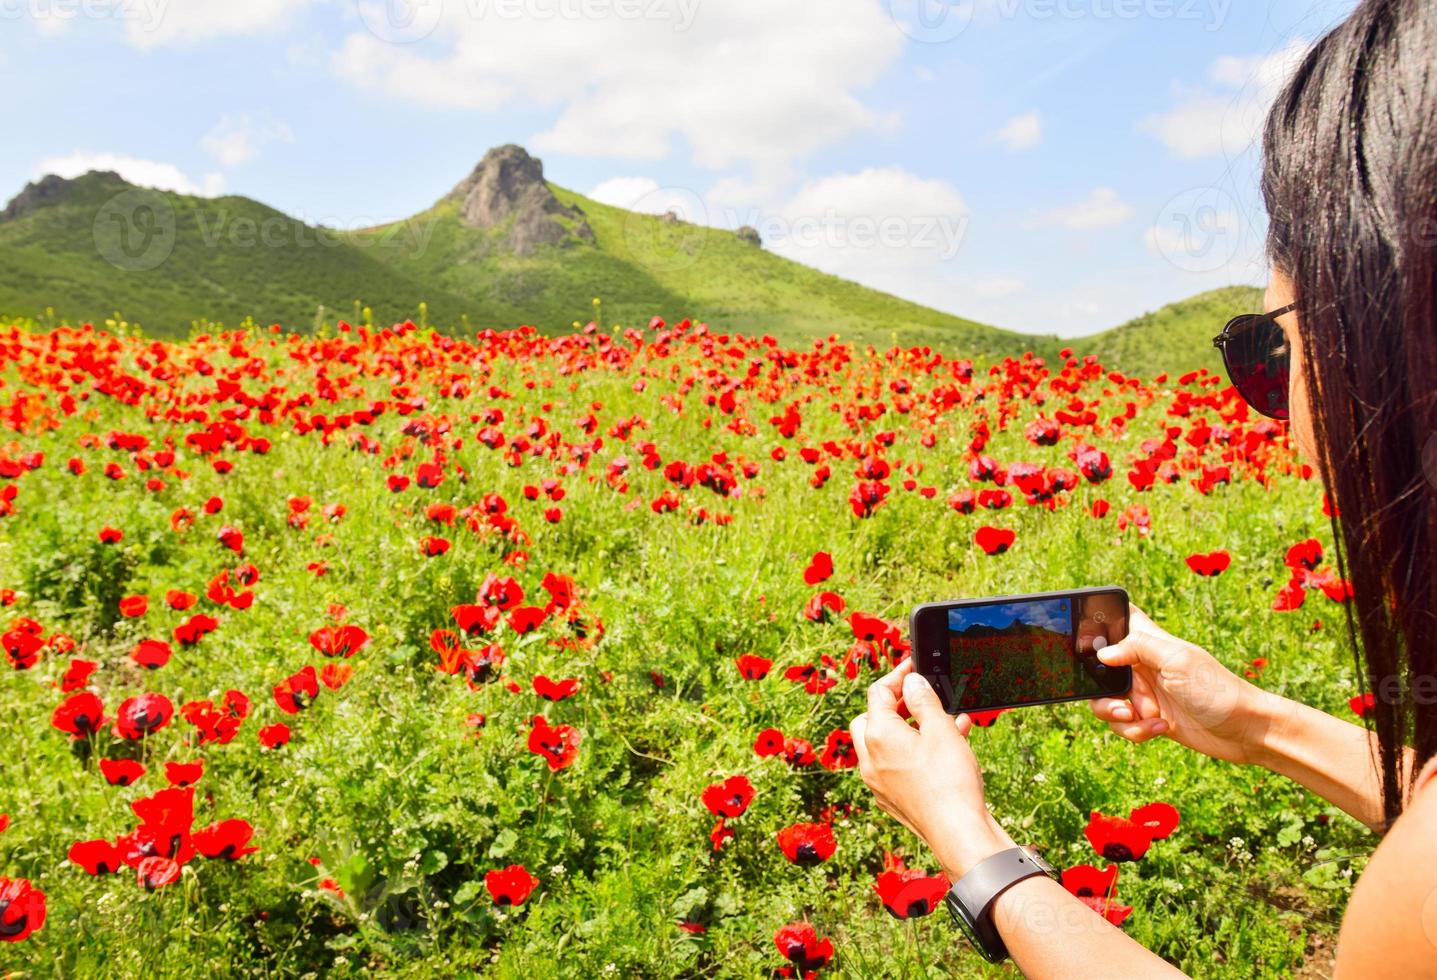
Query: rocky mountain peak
{"x": 49, "y": 189}
{"x": 507, "y": 191}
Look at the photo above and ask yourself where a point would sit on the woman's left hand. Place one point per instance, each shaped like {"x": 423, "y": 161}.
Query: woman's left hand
{"x": 928, "y": 777}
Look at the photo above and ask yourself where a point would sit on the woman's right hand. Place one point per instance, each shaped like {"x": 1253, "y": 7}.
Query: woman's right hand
{"x": 1182, "y": 691}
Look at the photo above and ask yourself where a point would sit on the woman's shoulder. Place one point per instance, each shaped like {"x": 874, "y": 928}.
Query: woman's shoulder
{"x": 1391, "y": 923}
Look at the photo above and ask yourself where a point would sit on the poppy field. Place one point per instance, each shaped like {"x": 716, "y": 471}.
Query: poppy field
{"x": 387, "y": 652}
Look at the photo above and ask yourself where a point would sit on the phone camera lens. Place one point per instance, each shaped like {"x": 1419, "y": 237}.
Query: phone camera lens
{"x": 1100, "y": 617}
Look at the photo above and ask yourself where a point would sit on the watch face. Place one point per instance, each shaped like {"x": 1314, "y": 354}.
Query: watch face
{"x": 960, "y": 917}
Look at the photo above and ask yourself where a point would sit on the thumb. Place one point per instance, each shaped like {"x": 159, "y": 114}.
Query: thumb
{"x": 1140, "y": 646}
{"x": 922, "y": 702}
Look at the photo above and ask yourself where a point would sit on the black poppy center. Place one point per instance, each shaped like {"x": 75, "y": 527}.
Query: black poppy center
{"x": 806, "y": 856}
{"x": 1115, "y": 851}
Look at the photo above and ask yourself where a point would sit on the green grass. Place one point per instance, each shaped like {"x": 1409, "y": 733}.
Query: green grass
{"x": 1177, "y": 337}
{"x": 385, "y": 786}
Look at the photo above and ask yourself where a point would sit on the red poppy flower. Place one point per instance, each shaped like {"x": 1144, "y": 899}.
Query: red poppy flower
{"x": 1362, "y": 703}
{"x": 297, "y": 691}
{"x": 526, "y": 619}
{"x": 22, "y": 909}
{"x": 807, "y": 844}
{"x": 111, "y": 535}
{"x": 984, "y": 719}
{"x": 994, "y": 541}
{"x": 81, "y": 715}
{"x": 22, "y": 648}
{"x": 227, "y": 840}
{"x": 558, "y": 744}
{"x": 798, "y": 753}
{"x": 180, "y": 601}
{"x": 1107, "y": 908}
{"x": 231, "y": 538}
{"x": 151, "y": 654}
{"x": 194, "y": 629}
{"x": 433, "y": 547}
{"x": 511, "y": 886}
{"x": 141, "y": 715}
{"x": 335, "y": 676}
{"x": 1086, "y": 881}
{"x": 824, "y": 605}
{"x": 503, "y": 592}
{"x": 477, "y": 619}
{"x": 721, "y": 832}
{"x": 729, "y": 798}
{"x": 183, "y": 774}
{"x": 77, "y": 675}
{"x": 121, "y": 772}
{"x": 1210, "y": 564}
{"x": 339, "y": 640}
{"x": 97, "y": 857}
{"x": 819, "y": 569}
{"x": 769, "y": 742}
{"x": 752, "y": 667}
{"x": 1116, "y": 838}
{"x": 800, "y": 945}
{"x": 1305, "y": 554}
{"x": 134, "y": 606}
{"x": 1161, "y": 819}
{"x": 274, "y": 736}
{"x": 838, "y": 751}
{"x": 157, "y": 872}
{"x": 551, "y": 690}
{"x": 910, "y": 894}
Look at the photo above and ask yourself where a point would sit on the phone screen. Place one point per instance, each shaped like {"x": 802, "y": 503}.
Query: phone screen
{"x": 1003, "y": 653}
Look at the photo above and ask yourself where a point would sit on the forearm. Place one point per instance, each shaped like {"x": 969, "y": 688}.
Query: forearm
{"x": 1333, "y": 758}
{"x": 1048, "y": 932}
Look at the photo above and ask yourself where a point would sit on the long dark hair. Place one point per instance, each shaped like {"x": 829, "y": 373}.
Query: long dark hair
{"x": 1350, "y": 182}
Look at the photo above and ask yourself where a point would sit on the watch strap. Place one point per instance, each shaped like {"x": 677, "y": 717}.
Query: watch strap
{"x": 972, "y": 896}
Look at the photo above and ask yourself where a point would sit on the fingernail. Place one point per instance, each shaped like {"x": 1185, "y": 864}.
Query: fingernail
{"x": 1123, "y": 714}
{"x": 913, "y": 682}
{"x": 1159, "y": 727}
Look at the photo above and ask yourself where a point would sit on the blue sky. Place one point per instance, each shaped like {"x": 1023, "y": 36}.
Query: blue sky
{"x": 1053, "y": 614}
{"x": 1045, "y": 165}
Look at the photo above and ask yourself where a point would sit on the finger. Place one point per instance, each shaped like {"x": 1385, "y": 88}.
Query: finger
{"x": 1143, "y": 698}
{"x": 923, "y": 702}
{"x": 1112, "y": 709}
{"x": 856, "y": 729}
{"x": 1139, "y": 731}
{"x": 964, "y": 724}
{"x": 1141, "y": 646}
{"x": 883, "y": 694}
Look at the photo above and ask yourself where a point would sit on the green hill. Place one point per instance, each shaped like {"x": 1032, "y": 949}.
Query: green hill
{"x": 503, "y": 248}
{"x": 1177, "y": 337}
{"x": 94, "y": 245}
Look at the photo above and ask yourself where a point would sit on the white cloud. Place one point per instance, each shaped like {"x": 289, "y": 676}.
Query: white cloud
{"x": 997, "y": 288}
{"x": 144, "y": 173}
{"x": 1021, "y": 132}
{"x": 733, "y": 81}
{"x": 1224, "y": 115}
{"x": 163, "y": 22}
{"x": 883, "y": 227}
{"x": 238, "y": 139}
{"x": 1102, "y": 208}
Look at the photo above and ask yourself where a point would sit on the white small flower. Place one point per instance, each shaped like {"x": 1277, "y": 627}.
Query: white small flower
{"x": 558, "y": 871}
{"x": 1039, "y": 777}
{"x": 1160, "y": 781}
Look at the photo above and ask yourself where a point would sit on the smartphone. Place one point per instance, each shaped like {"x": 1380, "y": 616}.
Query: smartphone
{"x": 1012, "y": 651}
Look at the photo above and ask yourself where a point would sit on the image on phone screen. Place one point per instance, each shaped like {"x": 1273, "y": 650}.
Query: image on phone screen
{"x": 1031, "y": 650}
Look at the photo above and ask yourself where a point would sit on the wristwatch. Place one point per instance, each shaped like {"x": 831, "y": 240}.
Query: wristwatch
{"x": 970, "y": 900}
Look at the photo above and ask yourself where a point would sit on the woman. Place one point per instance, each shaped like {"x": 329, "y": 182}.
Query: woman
{"x": 1350, "y": 182}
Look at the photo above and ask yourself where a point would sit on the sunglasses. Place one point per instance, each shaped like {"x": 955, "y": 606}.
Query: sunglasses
{"x": 1258, "y": 360}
